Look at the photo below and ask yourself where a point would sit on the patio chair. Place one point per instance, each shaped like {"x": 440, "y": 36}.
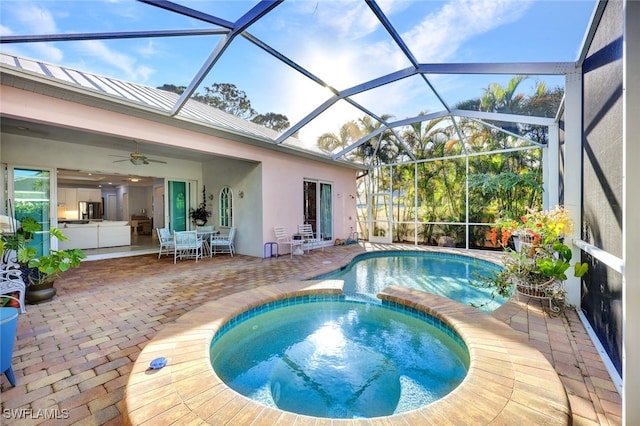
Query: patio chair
{"x": 223, "y": 243}
{"x": 310, "y": 238}
{"x": 11, "y": 282}
{"x": 186, "y": 245}
{"x": 165, "y": 239}
{"x": 282, "y": 237}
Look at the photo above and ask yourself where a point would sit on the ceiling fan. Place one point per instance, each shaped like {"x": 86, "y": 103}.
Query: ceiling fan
{"x": 137, "y": 158}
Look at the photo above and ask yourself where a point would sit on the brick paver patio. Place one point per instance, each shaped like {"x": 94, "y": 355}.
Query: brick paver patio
{"x": 73, "y": 355}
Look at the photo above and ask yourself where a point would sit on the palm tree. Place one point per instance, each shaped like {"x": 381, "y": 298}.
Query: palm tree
{"x": 330, "y": 142}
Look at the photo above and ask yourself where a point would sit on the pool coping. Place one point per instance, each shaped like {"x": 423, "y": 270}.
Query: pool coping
{"x": 509, "y": 382}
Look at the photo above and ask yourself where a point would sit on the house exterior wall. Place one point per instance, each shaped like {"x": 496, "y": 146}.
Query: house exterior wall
{"x": 271, "y": 180}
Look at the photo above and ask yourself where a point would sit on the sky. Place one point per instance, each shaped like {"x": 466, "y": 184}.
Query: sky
{"x": 341, "y": 42}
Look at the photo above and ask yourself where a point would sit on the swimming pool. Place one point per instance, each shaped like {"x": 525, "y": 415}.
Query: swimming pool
{"x": 444, "y": 274}
{"x": 339, "y": 358}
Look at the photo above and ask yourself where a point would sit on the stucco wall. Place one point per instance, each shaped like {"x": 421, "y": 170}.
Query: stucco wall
{"x": 272, "y": 181}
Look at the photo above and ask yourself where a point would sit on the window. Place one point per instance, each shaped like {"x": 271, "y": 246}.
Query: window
{"x": 226, "y": 207}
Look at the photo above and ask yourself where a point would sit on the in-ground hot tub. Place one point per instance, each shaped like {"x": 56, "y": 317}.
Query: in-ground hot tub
{"x": 336, "y": 357}
{"x": 508, "y": 382}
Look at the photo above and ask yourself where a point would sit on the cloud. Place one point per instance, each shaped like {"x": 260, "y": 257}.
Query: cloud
{"x": 148, "y": 50}
{"x": 5, "y": 31}
{"x": 353, "y": 50}
{"x": 125, "y": 63}
{"x": 37, "y": 20}
{"x": 439, "y": 35}
{"x": 31, "y": 19}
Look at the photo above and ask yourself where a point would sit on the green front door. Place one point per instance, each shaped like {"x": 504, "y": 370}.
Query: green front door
{"x": 178, "y": 202}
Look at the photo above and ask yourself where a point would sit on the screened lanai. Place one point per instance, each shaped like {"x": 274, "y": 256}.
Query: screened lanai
{"x": 405, "y": 91}
{"x": 318, "y": 69}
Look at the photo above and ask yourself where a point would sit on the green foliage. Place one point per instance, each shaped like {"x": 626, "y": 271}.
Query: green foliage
{"x": 57, "y": 262}
{"x": 200, "y": 213}
{"x": 228, "y": 98}
{"x": 50, "y": 265}
{"x": 509, "y": 190}
{"x": 271, "y": 120}
{"x": 501, "y": 184}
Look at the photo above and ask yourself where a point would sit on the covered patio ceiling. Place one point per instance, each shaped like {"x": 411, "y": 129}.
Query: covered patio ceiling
{"x": 321, "y": 64}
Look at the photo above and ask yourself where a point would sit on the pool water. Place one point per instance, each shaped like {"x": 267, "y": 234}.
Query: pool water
{"x": 340, "y": 358}
{"x": 446, "y": 275}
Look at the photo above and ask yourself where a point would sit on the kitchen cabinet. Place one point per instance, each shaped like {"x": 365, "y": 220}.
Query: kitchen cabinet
{"x": 87, "y": 194}
{"x": 67, "y": 197}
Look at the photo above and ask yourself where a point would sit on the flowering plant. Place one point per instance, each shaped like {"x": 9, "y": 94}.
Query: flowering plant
{"x": 544, "y": 227}
{"x": 540, "y": 263}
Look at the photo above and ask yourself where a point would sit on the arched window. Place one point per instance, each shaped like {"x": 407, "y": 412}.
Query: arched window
{"x": 226, "y": 207}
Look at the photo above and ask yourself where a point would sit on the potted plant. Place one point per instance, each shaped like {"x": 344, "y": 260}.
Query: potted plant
{"x": 38, "y": 272}
{"x": 538, "y": 266}
{"x": 200, "y": 214}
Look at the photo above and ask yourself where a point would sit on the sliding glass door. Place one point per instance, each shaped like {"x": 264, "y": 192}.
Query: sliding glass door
{"x": 318, "y": 208}
{"x": 28, "y": 194}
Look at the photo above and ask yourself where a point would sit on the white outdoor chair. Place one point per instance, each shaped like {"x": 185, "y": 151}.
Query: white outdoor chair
{"x": 165, "y": 239}
{"x": 310, "y": 238}
{"x": 11, "y": 282}
{"x": 186, "y": 245}
{"x": 223, "y": 243}
{"x": 282, "y": 237}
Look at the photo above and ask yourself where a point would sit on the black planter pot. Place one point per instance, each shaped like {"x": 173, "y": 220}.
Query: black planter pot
{"x": 37, "y": 290}
{"x": 40, "y": 293}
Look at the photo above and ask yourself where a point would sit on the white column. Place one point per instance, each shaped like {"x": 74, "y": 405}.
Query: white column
{"x": 573, "y": 171}
{"x": 630, "y": 210}
{"x": 551, "y": 169}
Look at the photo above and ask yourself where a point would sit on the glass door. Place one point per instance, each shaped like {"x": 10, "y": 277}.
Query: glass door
{"x": 177, "y": 207}
{"x": 31, "y": 190}
{"x": 318, "y": 208}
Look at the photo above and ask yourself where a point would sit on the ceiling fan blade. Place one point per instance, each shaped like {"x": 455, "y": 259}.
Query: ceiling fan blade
{"x": 119, "y": 161}
{"x": 155, "y": 161}
{"x": 119, "y": 156}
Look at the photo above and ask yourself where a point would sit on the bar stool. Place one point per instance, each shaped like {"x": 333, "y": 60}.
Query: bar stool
{"x": 8, "y": 326}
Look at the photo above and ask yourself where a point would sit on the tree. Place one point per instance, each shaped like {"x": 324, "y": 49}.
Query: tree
{"x": 228, "y": 98}
{"x": 271, "y": 120}
{"x": 173, "y": 88}
{"x": 500, "y": 183}
{"x": 349, "y": 133}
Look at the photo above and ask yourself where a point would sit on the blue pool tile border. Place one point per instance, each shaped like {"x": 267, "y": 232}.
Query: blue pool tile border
{"x": 320, "y": 297}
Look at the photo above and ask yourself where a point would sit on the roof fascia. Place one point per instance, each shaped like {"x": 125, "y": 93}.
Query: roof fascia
{"x": 36, "y": 83}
